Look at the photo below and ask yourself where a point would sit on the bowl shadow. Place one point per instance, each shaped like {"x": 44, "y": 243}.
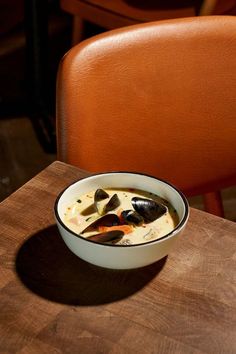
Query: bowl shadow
{"x": 48, "y": 268}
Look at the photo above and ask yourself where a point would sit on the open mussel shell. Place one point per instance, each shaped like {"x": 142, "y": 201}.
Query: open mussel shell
{"x": 105, "y": 237}
{"x": 100, "y": 194}
{"x": 99, "y": 197}
{"x": 149, "y": 209}
{"x": 105, "y": 220}
{"x": 132, "y": 217}
{"x": 113, "y": 203}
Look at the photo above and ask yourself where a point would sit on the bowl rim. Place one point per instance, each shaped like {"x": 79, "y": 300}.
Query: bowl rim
{"x": 169, "y": 235}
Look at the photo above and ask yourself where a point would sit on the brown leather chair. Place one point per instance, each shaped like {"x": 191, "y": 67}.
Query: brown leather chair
{"x": 158, "y": 98}
{"x": 111, "y": 14}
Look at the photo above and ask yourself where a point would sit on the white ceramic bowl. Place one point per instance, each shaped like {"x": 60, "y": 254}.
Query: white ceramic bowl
{"x": 121, "y": 256}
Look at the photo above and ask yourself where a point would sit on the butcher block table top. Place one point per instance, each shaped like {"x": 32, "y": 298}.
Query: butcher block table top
{"x": 53, "y": 302}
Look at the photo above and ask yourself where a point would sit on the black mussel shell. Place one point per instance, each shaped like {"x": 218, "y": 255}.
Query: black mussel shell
{"x": 110, "y": 236}
{"x": 106, "y": 220}
{"x": 148, "y": 208}
{"x": 100, "y": 194}
{"x": 132, "y": 217}
{"x": 113, "y": 203}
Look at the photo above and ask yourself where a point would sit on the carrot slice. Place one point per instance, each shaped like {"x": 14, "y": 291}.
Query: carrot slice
{"x": 127, "y": 229}
{"x": 118, "y": 213}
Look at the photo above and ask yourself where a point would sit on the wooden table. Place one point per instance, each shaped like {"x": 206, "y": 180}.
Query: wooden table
{"x": 53, "y": 302}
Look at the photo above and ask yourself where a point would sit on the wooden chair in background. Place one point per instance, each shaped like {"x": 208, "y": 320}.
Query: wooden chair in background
{"x": 142, "y": 98}
{"x": 119, "y": 13}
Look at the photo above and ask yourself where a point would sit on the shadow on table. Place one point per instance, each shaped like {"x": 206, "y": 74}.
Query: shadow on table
{"x": 47, "y": 267}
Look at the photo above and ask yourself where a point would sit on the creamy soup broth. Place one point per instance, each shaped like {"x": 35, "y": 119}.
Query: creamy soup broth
{"x": 82, "y": 213}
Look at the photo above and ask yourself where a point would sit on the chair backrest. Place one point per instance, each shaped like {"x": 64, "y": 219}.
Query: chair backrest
{"x": 158, "y": 97}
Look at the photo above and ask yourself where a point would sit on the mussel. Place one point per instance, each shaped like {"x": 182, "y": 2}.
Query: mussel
{"x": 105, "y": 237}
{"x": 99, "y": 197}
{"x": 113, "y": 203}
{"x": 100, "y": 194}
{"x": 149, "y": 209}
{"x": 100, "y": 204}
{"x": 105, "y": 220}
{"x": 132, "y": 217}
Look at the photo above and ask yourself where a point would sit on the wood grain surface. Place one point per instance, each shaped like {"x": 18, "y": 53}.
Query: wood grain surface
{"x": 53, "y": 302}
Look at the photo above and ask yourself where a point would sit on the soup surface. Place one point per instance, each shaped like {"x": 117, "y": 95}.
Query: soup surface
{"x": 87, "y": 217}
